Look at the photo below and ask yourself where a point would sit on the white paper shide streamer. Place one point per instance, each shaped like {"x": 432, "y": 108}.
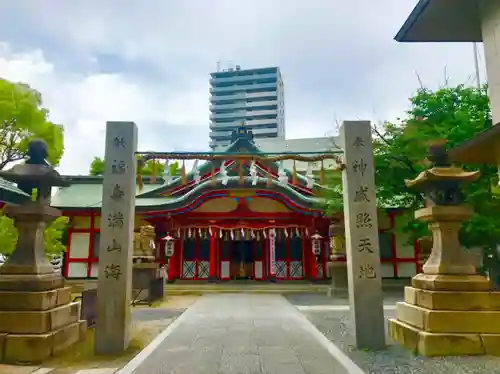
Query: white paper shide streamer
{"x": 309, "y": 176}
{"x": 282, "y": 177}
{"x": 196, "y": 172}
{"x": 253, "y": 173}
{"x": 223, "y": 174}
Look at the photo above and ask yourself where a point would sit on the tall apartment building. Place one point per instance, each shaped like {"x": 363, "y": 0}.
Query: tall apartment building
{"x": 254, "y": 96}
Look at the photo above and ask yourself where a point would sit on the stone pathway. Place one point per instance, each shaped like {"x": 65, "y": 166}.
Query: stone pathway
{"x": 243, "y": 334}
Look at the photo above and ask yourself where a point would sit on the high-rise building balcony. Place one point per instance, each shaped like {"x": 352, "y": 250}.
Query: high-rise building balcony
{"x": 244, "y": 114}
{"x": 244, "y": 78}
{"x": 243, "y": 104}
{"x": 243, "y": 87}
{"x": 242, "y": 96}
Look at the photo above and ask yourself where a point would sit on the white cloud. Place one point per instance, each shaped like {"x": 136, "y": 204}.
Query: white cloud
{"x": 83, "y": 103}
{"x": 338, "y": 60}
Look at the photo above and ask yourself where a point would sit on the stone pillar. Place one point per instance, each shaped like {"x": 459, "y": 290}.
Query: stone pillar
{"x": 112, "y": 333}
{"x": 361, "y": 227}
{"x": 490, "y": 21}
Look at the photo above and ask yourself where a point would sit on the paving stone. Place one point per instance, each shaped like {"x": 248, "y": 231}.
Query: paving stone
{"x": 262, "y": 335}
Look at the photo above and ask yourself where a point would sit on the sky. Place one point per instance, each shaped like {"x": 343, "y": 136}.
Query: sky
{"x": 149, "y": 62}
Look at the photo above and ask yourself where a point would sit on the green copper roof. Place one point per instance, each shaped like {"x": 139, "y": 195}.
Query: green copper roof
{"x": 11, "y": 187}
{"x": 81, "y": 196}
{"x": 86, "y": 193}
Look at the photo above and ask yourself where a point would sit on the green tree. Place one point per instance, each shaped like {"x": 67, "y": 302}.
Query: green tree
{"x": 452, "y": 113}
{"x": 97, "y": 167}
{"x": 52, "y": 239}
{"x": 23, "y": 118}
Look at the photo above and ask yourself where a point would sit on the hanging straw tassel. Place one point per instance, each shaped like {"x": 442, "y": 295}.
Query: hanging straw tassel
{"x": 140, "y": 163}
{"x": 294, "y": 174}
{"x": 152, "y": 180}
{"x": 240, "y": 171}
{"x": 183, "y": 172}
{"x": 322, "y": 174}
{"x": 214, "y": 177}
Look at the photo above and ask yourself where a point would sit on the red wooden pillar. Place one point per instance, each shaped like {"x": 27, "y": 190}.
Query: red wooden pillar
{"x": 212, "y": 272}
{"x": 305, "y": 257}
{"x": 288, "y": 252}
{"x": 313, "y": 262}
{"x": 178, "y": 254}
{"x": 172, "y": 269}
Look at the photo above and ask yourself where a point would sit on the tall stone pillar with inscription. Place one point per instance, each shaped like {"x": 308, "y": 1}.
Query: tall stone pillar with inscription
{"x": 361, "y": 232}
{"x": 449, "y": 308}
{"x": 112, "y": 334}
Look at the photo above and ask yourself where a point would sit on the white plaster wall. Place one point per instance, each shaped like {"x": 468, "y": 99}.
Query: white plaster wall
{"x": 490, "y": 13}
{"x": 79, "y": 247}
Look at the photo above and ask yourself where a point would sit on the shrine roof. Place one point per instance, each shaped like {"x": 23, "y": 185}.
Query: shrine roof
{"x": 9, "y": 193}
{"x": 442, "y": 21}
{"x": 87, "y": 194}
{"x": 243, "y": 142}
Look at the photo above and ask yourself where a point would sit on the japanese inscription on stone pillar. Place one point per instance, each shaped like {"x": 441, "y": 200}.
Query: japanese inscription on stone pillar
{"x": 112, "y": 333}
{"x": 362, "y": 242}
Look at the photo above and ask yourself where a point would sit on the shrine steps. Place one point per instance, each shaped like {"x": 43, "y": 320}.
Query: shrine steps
{"x": 199, "y": 288}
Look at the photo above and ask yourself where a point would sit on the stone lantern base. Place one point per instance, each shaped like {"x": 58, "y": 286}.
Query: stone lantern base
{"x": 337, "y": 271}
{"x": 146, "y": 270}
{"x": 38, "y": 324}
{"x": 449, "y": 310}
{"x": 446, "y": 315}
{"x": 37, "y": 318}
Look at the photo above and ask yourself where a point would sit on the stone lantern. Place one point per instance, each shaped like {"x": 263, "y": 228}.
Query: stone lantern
{"x": 37, "y": 317}
{"x": 337, "y": 266}
{"x": 449, "y": 309}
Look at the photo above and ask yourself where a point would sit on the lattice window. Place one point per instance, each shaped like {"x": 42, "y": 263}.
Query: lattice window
{"x": 319, "y": 270}
{"x": 189, "y": 269}
{"x": 203, "y": 269}
{"x": 281, "y": 269}
{"x": 296, "y": 269}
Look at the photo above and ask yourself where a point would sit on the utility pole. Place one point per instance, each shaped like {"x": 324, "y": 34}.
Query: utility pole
{"x": 476, "y": 64}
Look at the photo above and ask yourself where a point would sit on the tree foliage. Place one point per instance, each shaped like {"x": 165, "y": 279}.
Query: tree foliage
{"x": 452, "y": 113}
{"x": 23, "y": 118}
{"x": 97, "y": 167}
{"x": 52, "y": 237}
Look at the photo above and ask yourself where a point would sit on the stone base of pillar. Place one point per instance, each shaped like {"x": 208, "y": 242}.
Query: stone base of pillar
{"x": 448, "y": 315}
{"x": 36, "y": 325}
{"x": 337, "y": 271}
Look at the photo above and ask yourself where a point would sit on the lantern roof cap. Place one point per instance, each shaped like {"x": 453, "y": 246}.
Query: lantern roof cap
{"x": 442, "y": 174}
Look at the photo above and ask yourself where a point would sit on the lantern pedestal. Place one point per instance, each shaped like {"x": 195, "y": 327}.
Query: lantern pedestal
{"x": 146, "y": 276}
{"x": 337, "y": 266}
{"x": 449, "y": 310}
{"x": 337, "y": 270}
{"x": 37, "y": 317}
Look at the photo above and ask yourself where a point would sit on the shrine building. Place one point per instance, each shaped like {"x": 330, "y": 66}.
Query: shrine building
{"x": 220, "y": 217}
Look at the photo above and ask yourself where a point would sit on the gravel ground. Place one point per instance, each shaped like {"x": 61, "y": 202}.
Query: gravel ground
{"x": 336, "y": 326}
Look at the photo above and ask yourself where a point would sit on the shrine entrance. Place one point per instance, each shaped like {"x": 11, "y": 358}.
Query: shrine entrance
{"x": 241, "y": 259}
